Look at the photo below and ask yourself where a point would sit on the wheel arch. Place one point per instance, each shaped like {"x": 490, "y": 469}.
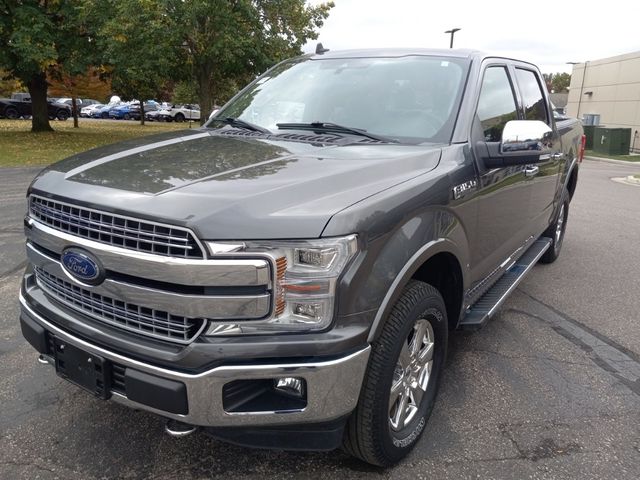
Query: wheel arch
{"x": 436, "y": 262}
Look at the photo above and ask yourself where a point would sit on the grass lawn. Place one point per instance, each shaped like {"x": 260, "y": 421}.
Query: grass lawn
{"x": 20, "y": 147}
{"x": 628, "y": 158}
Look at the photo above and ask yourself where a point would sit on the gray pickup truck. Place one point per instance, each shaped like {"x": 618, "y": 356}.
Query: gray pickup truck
{"x": 287, "y": 275}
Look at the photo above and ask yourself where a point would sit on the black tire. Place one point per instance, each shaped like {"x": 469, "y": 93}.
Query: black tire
{"x": 556, "y": 233}
{"x": 370, "y": 435}
{"x": 179, "y": 117}
{"x": 11, "y": 114}
{"x": 62, "y": 115}
{"x": 104, "y": 115}
{"x": 127, "y": 116}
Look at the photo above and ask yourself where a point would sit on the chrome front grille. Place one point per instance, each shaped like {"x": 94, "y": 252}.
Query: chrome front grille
{"x": 142, "y": 320}
{"x": 116, "y": 230}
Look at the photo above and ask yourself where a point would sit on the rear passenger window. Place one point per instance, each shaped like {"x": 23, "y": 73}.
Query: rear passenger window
{"x": 496, "y": 105}
{"x": 534, "y": 105}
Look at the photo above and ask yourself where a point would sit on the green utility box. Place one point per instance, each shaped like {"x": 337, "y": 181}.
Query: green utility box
{"x": 612, "y": 141}
{"x": 589, "y": 131}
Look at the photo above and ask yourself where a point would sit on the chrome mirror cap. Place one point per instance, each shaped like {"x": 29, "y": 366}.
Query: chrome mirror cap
{"x": 526, "y": 135}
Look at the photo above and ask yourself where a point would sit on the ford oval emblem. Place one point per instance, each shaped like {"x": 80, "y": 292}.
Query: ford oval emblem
{"x": 82, "y": 266}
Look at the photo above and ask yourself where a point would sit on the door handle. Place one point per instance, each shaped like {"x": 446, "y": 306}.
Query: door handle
{"x": 531, "y": 171}
{"x": 557, "y": 156}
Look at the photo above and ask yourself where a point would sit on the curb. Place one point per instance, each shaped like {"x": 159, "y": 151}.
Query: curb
{"x": 630, "y": 180}
{"x": 611, "y": 160}
{"x": 634, "y": 180}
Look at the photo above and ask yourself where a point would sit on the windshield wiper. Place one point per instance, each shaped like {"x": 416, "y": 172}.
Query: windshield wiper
{"x": 335, "y": 128}
{"x": 236, "y": 122}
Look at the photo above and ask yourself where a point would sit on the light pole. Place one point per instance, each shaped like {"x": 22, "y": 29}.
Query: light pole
{"x": 452, "y": 32}
{"x": 584, "y": 74}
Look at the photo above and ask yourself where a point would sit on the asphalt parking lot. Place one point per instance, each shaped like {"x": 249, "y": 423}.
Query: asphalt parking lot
{"x": 549, "y": 389}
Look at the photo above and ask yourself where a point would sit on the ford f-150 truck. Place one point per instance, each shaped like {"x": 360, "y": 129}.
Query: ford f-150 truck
{"x": 287, "y": 275}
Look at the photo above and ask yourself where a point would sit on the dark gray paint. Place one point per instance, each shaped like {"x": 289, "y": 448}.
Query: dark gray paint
{"x": 397, "y": 198}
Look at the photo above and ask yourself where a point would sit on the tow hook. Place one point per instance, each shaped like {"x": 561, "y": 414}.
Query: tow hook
{"x": 45, "y": 359}
{"x": 175, "y": 428}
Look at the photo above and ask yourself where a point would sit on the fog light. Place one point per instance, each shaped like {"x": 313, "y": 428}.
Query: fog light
{"x": 291, "y": 386}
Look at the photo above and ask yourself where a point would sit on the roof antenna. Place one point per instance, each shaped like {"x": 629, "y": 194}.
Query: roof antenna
{"x": 320, "y": 49}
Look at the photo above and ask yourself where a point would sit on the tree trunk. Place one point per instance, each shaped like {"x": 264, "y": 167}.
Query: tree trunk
{"x": 205, "y": 94}
{"x": 37, "y": 86}
{"x": 141, "y": 112}
{"x": 74, "y": 111}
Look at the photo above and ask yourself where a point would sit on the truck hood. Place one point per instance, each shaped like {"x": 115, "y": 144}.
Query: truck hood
{"x": 233, "y": 188}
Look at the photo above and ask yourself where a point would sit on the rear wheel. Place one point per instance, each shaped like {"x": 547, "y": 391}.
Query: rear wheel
{"x": 402, "y": 378}
{"x": 179, "y": 117}
{"x": 127, "y": 116}
{"x": 62, "y": 115}
{"x": 556, "y": 233}
{"x": 11, "y": 113}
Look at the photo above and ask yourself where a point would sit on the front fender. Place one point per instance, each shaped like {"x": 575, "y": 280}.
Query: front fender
{"x": 398, "y": 234}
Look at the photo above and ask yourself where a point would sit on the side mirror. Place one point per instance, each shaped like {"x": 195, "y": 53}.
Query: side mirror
{"x": 526, "y": 136}
{"x": 523, "y": 142}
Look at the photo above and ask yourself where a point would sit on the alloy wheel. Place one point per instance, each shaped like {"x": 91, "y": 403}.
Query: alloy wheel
{"x": 411, "y": 375}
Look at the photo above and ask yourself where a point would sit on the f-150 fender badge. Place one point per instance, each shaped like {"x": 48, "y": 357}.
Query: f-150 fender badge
{"x": 463, "y": 188}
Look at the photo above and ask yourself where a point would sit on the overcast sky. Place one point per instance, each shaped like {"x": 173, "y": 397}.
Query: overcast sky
{"x": 546, "y": 33}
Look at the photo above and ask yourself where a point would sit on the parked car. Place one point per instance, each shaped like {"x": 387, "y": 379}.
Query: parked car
{"x": 81, "y": 103}
{"x": 19, "y": 105}
{"x": 152, "y": 116}
{"x": 179, "y": 113}
{"x": 134, "y": 111}
{"x": 88, "y": 111}
{"x": 104, "y": 111}
{"x": 121, "y": 112}
{"x": 287, "y": 276}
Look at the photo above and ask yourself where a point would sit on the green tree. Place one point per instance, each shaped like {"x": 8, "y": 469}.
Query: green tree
{"x": 560, "y": 82}
{"x": 184, "y": 92}
{"x": 37, "y": 35}
{"x": 139, "y": 45}
{"x": 226, "y": 42}
{"x": 557, "y": 82}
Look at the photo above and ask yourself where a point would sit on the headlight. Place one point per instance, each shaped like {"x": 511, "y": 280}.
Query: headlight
{"x": 306, "y": 274}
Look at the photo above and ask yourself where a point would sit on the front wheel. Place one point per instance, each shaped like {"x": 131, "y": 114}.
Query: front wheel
{"x": 402, "y": 378}
{"x": 556, "y": 233}
{"x": 62, "y": 115}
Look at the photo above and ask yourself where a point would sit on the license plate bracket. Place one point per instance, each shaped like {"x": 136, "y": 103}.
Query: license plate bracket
{"x": 88, "y": 371}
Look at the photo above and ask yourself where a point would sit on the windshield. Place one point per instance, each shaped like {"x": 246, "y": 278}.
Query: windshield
{"x": 412, "y": 99}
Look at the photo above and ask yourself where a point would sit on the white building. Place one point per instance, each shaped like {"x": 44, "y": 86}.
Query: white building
{"x": 609, "y": 87}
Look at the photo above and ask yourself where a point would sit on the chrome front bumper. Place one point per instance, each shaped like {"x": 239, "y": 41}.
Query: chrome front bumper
{"x": 333, "y": 386}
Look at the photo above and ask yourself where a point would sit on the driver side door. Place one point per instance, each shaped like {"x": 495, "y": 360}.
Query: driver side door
{"x": 503, "y": 195}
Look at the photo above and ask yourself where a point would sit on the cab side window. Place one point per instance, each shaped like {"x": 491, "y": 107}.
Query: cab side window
{"x": 497, "y": 104}
{"x": 532, "y": 98}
